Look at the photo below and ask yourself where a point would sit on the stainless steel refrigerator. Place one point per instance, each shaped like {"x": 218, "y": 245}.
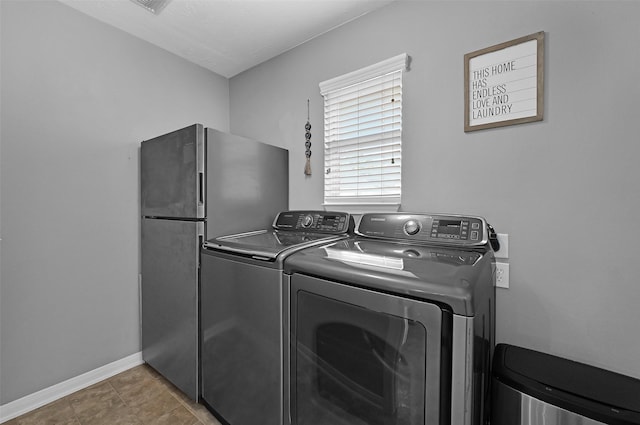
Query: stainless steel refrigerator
{"x": 196, "y": 183}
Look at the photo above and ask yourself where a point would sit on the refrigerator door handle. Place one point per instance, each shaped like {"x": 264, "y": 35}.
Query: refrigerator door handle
{"x": 201, "y": 231}
{"x": 201, "y": 189}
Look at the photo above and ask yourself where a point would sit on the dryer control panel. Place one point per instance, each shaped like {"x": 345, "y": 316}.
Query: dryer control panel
{"x": 456, "y": 230}
{"x": 313, "y": 221}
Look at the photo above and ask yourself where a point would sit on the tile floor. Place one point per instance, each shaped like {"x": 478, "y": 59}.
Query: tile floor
{"x": 138, "y": 396}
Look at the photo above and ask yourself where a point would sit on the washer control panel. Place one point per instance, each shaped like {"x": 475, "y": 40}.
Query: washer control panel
{"x": 439, "y": 229}
{"x": 313, "y": 221}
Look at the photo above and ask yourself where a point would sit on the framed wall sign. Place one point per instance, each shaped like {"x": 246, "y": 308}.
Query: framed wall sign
{"x": 504, "y": 84}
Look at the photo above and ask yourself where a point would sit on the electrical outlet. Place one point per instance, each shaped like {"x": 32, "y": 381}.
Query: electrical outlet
{"x": 502, "y": 275}
{"x": 503, "y": 252}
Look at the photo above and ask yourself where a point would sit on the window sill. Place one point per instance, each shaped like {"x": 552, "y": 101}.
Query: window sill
{"x": 359, "y": 209}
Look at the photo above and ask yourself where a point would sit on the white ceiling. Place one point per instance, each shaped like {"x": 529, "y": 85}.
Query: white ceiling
{"x": 228, "y": 36}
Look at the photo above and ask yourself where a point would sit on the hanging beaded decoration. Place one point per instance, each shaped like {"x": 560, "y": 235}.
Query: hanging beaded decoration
{"x": 307, "y": 144}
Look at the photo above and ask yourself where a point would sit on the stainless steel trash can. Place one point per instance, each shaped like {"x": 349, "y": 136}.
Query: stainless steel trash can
{"x": 533, "y": 388}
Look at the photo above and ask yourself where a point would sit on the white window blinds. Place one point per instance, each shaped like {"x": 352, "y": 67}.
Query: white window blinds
{"x": 362, "y": 135}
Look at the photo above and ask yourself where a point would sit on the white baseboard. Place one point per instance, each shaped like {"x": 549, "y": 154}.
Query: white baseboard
{"x": 33, "y": 401}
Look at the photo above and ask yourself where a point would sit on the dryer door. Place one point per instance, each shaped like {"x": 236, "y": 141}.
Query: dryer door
{"x": 361, "y": 357}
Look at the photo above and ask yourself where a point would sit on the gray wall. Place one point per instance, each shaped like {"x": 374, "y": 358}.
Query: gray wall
{"x": 78, "y": 96}
{"x": 564, "y": 189}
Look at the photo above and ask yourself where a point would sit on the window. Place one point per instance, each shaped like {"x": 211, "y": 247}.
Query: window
{"x": 362, "y": 135}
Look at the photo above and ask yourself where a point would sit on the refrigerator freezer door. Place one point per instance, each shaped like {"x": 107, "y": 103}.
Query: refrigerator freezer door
{"x": 170, "y": 266}
{"x": 172, "y": 174}
{"x": 247, "y": 184}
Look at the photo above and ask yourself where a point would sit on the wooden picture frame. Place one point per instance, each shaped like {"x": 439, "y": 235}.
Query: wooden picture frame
{"x": 504, "y": 84}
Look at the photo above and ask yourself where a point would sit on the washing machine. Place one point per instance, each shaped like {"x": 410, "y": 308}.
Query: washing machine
{"x": 241, "y": 313}
{"x": 394, "y": 325}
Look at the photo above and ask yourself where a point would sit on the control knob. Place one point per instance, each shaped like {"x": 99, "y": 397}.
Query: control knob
{"x": 307, "y": 221}
{"x": 411, "y": 227}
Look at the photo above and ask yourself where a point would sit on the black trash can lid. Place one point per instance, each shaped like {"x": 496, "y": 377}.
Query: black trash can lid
{"x": 594, "y": 392}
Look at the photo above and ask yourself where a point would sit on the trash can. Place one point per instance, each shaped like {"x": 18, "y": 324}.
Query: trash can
{"x": 534, "y": 388}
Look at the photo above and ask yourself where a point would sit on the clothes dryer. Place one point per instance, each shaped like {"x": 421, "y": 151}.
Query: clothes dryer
{"x": 394, "y": 325}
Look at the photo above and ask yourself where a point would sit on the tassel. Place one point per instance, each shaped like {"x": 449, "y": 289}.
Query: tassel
{"x": 307, "y": 167}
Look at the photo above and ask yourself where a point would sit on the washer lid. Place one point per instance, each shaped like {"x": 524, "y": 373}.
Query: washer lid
{"x": 266, "y": 244}
{"x": 292, "y": 230}
{"x": 450, "y": 276}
